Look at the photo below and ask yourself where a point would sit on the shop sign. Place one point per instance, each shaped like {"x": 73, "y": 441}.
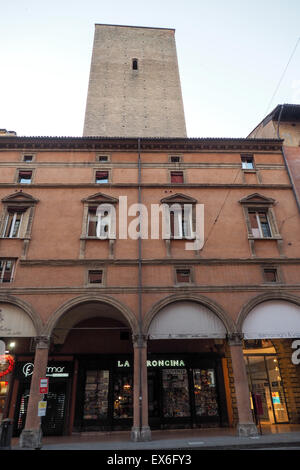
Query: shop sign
{"x": 52, "y": 371}
{"x": 296, "y": 354}
{"x": 157, "y": 363}
{"x": 44, "y": 383}
{"x": 42, "y": 408}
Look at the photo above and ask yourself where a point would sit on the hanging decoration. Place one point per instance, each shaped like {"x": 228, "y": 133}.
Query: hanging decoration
{"x": 7, "y": 363}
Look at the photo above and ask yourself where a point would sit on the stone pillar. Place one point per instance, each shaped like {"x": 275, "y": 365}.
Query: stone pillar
{"x": 31, "y": 436}
{"x": 140, "y": 430}
{"x": 246, "y": 426}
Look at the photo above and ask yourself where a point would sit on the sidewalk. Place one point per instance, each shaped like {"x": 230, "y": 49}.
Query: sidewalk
{"x": 218, "y": 438}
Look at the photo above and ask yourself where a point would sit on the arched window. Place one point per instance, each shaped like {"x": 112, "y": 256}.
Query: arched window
{"x": 134, "y": 64}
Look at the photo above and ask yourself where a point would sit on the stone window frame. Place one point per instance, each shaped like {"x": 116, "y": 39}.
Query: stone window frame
{"x": 187, "y": 267}
{"x": 23, "y": 154}
{"x": 87, "y": 282}
{"x": 258, "y": 202}
{"x": 279, "y": 275}
{"x": 89, "y": 202}
{"x": 25, "y": 169}
{"x": 19, "y": 201}
{"x": 263, "y": 205}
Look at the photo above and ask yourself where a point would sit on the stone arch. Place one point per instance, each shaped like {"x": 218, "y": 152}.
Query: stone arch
{"x": 26, "y": 308}
{"x": 246, "y": 309}
{"x": 200, "y": 299}
{"x": 85, "y": 299}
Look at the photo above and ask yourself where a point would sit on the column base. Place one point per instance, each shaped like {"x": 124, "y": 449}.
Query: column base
{"x": 31, "y": 439}
{"x": 140, "y": 435}
{"x": 247, "y": 430}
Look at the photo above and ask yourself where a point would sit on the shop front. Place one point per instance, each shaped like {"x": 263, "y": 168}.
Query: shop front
{"x": 54, "y": 423}
{"x": 184, "y": 391}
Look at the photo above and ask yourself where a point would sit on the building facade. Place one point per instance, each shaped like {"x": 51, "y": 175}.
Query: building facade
{"x": 134, "y": 85}
{"x": 139, "y": 329}
{"x": 284, "y": 123}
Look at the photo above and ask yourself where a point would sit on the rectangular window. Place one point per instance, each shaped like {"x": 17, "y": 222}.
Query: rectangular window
{"x": 24, "y": 177}
{"x": 175, "y": 159}
{"x": 102, "y": 158}
{"x": 247, "y": 162}
{"x": 101, "y": 177}
{"x": 176, "y": 176}
{"x": 183, "y": 276}
{"x": 95, "y": 277}
{"x": 92, "y": 224}
{"x": 6, "y": 270}
{"x": 12, "y": 225}
{"x": 27, "y": 158}
{"x": 181, "y": 223}
{"x": 270, "y": 275}
{"x": 260, "y": 224}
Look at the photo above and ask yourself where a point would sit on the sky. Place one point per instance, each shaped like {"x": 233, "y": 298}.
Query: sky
{"x": 232, "y": 57}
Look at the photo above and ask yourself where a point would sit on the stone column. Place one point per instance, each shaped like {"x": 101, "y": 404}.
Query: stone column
{"x": 140, "y": 430}
{"x": 246, "y": 426}
{"x": 31, "y": 436}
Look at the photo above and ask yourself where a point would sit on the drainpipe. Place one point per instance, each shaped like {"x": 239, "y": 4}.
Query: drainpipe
{"x": 285, "y": 161}
{"x": 140, "y": 339}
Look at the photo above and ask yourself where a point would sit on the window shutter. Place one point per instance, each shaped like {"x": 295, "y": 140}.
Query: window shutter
{"x": 176, "y": 177}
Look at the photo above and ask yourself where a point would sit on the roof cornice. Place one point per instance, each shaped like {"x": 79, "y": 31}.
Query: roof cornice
{"x": 178, "y": 144}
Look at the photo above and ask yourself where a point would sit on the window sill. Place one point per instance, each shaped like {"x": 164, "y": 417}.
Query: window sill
{"x": 97, "y": 238}
{"x": 278, "y": 237}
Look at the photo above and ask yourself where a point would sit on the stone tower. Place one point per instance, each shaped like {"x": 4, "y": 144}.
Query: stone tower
{"x": 134, "y": 85}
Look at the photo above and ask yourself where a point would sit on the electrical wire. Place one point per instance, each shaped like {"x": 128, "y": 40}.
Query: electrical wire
{"x": 283, "y": 74}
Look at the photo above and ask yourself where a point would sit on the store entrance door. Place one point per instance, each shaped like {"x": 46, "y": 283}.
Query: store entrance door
{"x": 54, "y": 421}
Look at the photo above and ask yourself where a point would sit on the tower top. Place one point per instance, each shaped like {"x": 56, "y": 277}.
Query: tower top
{"x": 134, "y": 85}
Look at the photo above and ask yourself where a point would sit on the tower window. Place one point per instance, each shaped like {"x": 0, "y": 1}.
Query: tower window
{"x": 134, "y": 64}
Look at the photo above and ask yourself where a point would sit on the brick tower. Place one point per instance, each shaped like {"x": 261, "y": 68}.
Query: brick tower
{"x": 134, "y": 85}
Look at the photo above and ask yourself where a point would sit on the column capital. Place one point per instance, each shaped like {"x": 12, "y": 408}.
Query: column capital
{"x": 42, "y": 342}
{"x": 235, "y": 339}
{"x": 139, "y": 341}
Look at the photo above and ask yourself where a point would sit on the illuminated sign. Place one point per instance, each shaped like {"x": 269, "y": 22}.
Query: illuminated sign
{"x": 157, "y": 363}
{"x": 52, "y": 371}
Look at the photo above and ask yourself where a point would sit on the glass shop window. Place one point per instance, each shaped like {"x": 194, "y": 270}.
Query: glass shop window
{"x": 96, "y": 395}
{"x": 176, "y": 402}
{"x": 123, "y": 396}
{"x": 206, "y": 400}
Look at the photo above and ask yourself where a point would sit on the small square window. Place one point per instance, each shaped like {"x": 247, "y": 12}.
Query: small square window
{"x": 176, "y": 176}
{"x": 28, "y": 158}
{"x": 247, "y": 162}
{"x": 270, "y": 275}
{"x": 183, "y": 276}
{"x": 101, "y": 177}
{"x": 102, "y": 158}
{"x": 175, "y": 159}
{"x": 24, "y": 177}
{"x": 95, "y": 277}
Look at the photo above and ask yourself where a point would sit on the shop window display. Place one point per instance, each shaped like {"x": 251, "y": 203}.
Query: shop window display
{"x": 176, "y": 401}
{"x": 265, "y": 385}
{"x": 206, "y": 400}
{"x": 96, "y": 394}
{"x": 123, "y": 396}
